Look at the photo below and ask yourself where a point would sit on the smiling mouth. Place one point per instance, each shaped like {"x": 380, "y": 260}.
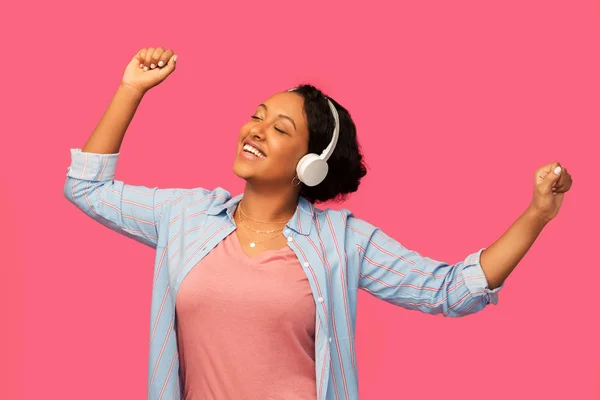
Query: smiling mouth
{"x": 253, "y": 150}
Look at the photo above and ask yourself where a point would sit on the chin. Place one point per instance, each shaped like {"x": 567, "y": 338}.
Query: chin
{"x": 242, "y": 170}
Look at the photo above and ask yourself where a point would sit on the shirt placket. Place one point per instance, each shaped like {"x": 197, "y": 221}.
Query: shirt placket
{"x": 317, "y": 278}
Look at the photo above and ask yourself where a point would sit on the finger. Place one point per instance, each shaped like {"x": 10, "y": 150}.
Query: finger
{"x": 148, "y": 58}
{"x": 167, "y": 69}
{"x": 164, "y": 58}
{"x": 560, "y": 183}
{"x": 156, "y": 56}
{"x": 563, "y": 175}
{"x": 140, "y": 56}
{"x": 568, "y": 184}
{"x": 550, "y": 177}
{"x": 543, "y": 172}
{"x": 563, "y": 188}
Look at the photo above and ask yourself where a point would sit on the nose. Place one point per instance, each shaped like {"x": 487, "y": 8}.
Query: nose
{"x": 257, "y": 130}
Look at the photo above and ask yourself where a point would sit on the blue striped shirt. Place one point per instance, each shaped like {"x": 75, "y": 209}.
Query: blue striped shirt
{"x": 338, "y": 252}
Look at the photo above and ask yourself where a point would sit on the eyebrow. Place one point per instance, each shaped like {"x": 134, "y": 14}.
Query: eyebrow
{"x": 281, "y": 115}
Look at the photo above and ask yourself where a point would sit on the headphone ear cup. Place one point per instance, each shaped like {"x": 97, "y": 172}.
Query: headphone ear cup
{"x": 311, "y": 169}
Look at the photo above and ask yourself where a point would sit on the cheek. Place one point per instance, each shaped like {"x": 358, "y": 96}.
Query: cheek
{"x": 286, "y": 158}
{"x": 244, "y": 130}
{"x": 286, "y": 152}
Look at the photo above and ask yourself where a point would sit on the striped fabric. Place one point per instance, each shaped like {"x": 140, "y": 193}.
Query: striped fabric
{"x": 338, "y": 252}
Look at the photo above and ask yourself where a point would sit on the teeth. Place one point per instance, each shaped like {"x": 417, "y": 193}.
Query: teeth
{"x": 254, "y": 151}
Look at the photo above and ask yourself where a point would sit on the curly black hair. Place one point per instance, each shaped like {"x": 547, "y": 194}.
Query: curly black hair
{"x": 346, "y": 165}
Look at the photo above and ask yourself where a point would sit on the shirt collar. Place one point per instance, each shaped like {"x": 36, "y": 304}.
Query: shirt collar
{"x": 301, "y": 221}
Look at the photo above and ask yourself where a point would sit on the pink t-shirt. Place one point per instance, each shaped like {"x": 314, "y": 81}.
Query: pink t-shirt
{"x": 245, "y": 326}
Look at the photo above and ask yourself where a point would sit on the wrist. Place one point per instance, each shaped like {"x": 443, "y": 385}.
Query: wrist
{"x": 131, "y": 90}
{"x": 536, "y": 216}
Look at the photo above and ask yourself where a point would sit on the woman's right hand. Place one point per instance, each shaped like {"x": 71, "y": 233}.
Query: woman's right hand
{"x": 148, "y": 68}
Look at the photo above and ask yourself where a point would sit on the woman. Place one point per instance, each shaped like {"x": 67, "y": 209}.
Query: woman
{"x": 254, "y": 297}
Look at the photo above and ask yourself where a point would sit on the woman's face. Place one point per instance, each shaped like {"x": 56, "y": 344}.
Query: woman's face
{"x": 272, "y": 141}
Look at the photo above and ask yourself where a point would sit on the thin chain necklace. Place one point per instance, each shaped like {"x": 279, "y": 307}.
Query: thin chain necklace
{"x": 258, "y": 230}
{"x": 254, "y": 242}
{"x": 260, "y": 222}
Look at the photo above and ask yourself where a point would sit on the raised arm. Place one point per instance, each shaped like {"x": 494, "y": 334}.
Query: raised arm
{"x": 134, "y": 211}
{"x": 403, "y": 277}
{"x": 137, "y": 81}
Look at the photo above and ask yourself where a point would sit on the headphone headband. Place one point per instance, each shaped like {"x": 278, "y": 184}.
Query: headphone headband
{"x": 336, "y": 130}
{"x": 336, "y": 133}
{"x": 312, "y": 168}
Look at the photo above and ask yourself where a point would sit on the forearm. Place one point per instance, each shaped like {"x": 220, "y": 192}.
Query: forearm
{"x": 500, "y": 259}
{"x": 109, "y": 133}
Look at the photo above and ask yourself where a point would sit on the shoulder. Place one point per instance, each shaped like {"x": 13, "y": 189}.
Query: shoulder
{"x": 200, "y": 197}
{"x": 344, "y": 220}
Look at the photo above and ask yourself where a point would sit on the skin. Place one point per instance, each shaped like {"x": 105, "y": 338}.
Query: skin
{"x": 269, "y": 194}
{"x": 500, "y": 259}
{"x": 279, "y": 127}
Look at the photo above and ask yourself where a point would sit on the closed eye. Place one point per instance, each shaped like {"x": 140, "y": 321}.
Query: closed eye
{"x": 256, "y": 118}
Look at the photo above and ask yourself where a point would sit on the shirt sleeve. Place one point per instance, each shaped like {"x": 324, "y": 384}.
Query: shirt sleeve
{"x": 403, "y": 277}
{"x": 134, "y": 211}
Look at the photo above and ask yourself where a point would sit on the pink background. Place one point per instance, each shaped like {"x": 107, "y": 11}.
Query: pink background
{"x": 457, "y": 103}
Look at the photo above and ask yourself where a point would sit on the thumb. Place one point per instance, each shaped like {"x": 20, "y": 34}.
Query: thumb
{"x": 550, "y": 176}
{"x": 139, "y": 58}
{"x": 135, "y": 61}
{"x": 167, "y": 69}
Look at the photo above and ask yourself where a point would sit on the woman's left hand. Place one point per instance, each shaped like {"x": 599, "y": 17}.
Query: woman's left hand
{"x": 552, "y": 181}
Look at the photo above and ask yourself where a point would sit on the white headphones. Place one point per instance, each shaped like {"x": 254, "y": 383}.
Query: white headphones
{"x": 312, "y": 168}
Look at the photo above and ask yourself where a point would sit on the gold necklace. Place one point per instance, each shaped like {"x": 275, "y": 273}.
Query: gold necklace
{"x": 260, "y": 222}
{"x": 257, "y": 230}
{"x": 254, "y": 242}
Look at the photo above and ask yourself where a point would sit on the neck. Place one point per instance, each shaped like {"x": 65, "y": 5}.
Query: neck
{"x": 269, "y": 205}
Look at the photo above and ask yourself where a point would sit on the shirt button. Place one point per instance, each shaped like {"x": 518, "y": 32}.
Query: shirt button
{"x": 306, "y": 264}
{"x": 320, "y": 299}
{"x": 330, "y": 339}
{"x": 290, "y": 238}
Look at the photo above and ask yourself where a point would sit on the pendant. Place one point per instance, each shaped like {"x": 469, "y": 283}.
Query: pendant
{"x": 252, "y": 244}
